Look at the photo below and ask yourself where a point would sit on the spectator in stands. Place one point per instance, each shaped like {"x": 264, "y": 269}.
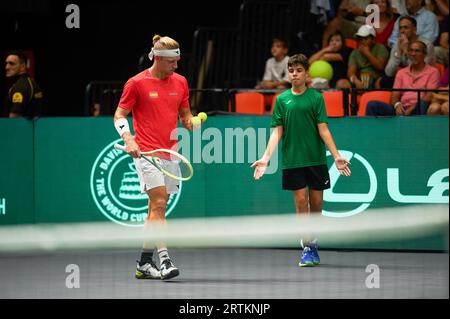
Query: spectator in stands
{"x": 337, "y": 54}
{"x": 418, "y": 75}
{"x": 350, "y": 16}
{"x": 24, "y": 97}
{"x": 276, "y": 71}
{"x": 438, "y": 7}
{"x": 96, "y": 110}
{"x": 367, "y": 62}
{"x": 441, "y": 50}
{"x": 439, "y": 101}
{"x": 441, "y": 8}
{"x": 427, "y": 23}
{"x": 399, "y": 57}
{"x": 386, "y": 23}
{"x": 399, "y": 7}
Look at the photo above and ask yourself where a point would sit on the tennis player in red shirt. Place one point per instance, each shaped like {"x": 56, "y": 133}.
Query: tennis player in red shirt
{"x": 157, "y": 97}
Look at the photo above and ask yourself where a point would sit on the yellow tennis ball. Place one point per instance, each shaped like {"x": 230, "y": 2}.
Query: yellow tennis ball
{"x": 196, "y": 121}
{"x": 202, "y": 116}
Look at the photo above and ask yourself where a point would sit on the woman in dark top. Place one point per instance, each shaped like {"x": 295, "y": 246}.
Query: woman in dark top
{"x": 337, "y": 54}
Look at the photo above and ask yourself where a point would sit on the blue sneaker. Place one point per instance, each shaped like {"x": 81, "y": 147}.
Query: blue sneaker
{"x": 307, "y": 258}
{"x": 315, "y": 254}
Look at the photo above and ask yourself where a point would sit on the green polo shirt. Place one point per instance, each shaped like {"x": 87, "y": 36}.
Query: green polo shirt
{"x": 362, "y": 62}
{"x": 299, "y": 115}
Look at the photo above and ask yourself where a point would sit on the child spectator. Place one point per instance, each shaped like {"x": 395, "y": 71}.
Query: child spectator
{"x": 276, "y": 73}
{"x": 337, "y": 54}
{"x": 350, "y": 16}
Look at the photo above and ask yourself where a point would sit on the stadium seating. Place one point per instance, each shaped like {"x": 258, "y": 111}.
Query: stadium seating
{"x": 334, "y": 103}
{"x": 441, "y": 68}
{"x": 250, "y": 103}
{"x": 273, "y": 101}
{"x": 383, "y": 96}
{"x": 351, "y": 43}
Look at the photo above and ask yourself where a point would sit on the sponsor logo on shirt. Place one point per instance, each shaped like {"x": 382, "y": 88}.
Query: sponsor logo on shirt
{"x": 173, "y": 93}
{"x": 153, "y": 94}
{"x": 17, "y": 97}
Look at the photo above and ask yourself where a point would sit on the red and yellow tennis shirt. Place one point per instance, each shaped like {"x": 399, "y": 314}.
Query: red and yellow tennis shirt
{"x": 155, "y": 104}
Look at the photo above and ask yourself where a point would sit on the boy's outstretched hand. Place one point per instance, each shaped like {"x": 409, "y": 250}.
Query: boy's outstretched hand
{"x": 342, "y": 166}
{"x": 260, "y": 167}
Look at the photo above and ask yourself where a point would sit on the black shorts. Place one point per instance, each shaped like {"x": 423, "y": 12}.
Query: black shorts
{"x": 315, "y": 177}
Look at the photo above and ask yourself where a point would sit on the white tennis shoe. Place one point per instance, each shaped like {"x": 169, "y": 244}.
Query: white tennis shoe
{"x": 147, "y": 271}
{"x": 168, "y": 270}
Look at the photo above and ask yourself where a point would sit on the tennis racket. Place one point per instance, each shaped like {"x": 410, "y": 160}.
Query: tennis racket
{"x": 157, "y": 157}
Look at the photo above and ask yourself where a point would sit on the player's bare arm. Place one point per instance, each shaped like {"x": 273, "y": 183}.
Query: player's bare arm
{"x": 261, "y": 164}
{"x": 341, "y": 163}
{"x": 121, "y": 124}
{"x": 186, "y": 118}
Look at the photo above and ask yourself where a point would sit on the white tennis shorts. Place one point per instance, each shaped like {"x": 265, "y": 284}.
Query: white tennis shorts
{"x": 150, "y": 177}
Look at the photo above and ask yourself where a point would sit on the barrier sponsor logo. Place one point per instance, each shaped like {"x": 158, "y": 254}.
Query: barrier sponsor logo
{"x": 2, "y": 206}
{"x": 437, "y": 183}
{"x": 364, "y": 199}
{"x": 116, "y": 191}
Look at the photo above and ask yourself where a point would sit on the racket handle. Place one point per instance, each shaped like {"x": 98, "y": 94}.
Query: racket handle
{"x": 119, "y": 147}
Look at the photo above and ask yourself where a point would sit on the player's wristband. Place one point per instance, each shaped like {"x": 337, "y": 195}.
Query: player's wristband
{"x": 122, "y": 126}
{"x": 397, "y": 104}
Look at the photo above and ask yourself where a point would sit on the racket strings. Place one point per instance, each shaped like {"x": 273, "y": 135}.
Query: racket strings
{"x": 171, "y": 163}
{"x": 184, "y": 169}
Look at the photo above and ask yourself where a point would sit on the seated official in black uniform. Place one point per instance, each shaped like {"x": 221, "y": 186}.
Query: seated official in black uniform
{"x": 24, "y": 97}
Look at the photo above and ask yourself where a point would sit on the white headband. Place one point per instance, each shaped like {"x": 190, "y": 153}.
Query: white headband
{"x": 164, "y": 53}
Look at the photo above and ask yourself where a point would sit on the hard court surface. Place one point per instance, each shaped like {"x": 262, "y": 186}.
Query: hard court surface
{"x": 229, "y": 273}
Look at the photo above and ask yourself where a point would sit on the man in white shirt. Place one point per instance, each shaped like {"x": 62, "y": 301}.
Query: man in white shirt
{"x": 399, "y": 7}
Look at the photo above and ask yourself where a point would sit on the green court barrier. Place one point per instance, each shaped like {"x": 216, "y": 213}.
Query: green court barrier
{"x": 16, "y": 172}
{"x": 58, "y": 170}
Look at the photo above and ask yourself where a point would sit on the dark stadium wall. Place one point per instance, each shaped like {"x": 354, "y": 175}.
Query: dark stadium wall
{"x": 112, "y": 37}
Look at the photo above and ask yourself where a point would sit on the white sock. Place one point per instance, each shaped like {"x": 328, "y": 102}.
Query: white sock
{"x": 163, "y": 254}
{"x": 308, "y": 244}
